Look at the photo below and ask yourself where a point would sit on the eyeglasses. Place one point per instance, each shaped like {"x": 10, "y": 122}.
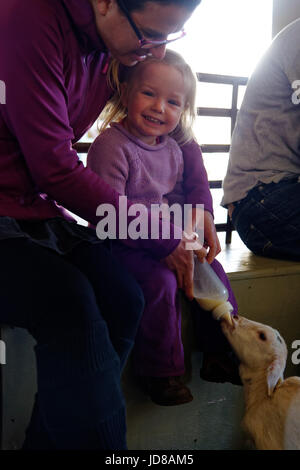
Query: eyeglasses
{"x": 145, "y": 43}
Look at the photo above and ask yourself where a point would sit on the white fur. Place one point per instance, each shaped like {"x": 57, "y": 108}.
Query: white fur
{"x": 272, "y": 415}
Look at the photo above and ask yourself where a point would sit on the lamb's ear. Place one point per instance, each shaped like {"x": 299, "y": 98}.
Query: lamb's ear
{"x": 275, "y": 374}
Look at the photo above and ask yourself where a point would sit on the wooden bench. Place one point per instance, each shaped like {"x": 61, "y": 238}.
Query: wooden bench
{"x": 267, "y": 290}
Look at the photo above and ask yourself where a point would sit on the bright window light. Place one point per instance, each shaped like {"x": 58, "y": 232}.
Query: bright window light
{"x": 227, "y": 36}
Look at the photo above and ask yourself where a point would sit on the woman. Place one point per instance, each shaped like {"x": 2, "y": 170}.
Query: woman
{"x": 57, "y": 279}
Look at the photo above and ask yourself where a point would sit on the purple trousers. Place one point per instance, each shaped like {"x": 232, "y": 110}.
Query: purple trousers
{"x": 158, "y": 349}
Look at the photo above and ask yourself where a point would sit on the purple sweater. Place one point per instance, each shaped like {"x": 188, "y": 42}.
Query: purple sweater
{"x": 52, "y": 62}
{"x": 146, "y": 174}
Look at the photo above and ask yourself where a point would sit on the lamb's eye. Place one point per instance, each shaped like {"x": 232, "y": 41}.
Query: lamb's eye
{"x": 279, "y": 339}
{"x": 262, "y": 336}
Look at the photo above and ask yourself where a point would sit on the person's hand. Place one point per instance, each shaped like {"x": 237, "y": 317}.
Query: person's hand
{"x": 181, "y": 262}
{"x": 202, "y": 222}
{"x": 211, "y": 240}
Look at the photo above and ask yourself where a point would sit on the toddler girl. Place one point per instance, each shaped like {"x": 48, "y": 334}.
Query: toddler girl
{"x": 150, "y": 115}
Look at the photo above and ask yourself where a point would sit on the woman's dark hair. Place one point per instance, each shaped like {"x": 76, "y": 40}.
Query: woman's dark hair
{"x": 139, "y": 4}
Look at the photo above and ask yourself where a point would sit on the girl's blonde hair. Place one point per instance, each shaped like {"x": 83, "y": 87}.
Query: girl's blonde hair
{"x": 115, "y": 111}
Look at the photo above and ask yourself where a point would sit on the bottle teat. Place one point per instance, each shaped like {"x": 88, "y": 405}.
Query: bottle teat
{"x": 210, "y": 292}
{"x": 223, "y": 311}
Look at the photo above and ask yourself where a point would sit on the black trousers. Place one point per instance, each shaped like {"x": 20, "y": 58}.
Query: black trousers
{"x": 268, "y": 219}
{"x": 83, "y": 309}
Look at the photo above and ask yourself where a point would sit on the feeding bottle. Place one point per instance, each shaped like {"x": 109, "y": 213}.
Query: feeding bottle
{"x": 210, "y": 292}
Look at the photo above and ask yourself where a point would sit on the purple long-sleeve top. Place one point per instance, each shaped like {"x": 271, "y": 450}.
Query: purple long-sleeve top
{"x": 53, "y": 64}
{"x": 146, "y": 174}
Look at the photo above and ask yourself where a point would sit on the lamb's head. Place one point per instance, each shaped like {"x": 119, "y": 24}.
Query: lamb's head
{"x": 258, "y": 347}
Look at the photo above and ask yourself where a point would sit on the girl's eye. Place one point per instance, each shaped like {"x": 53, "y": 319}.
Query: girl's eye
{"x": 174, "y": 103}
{"x": 147, "y": 93}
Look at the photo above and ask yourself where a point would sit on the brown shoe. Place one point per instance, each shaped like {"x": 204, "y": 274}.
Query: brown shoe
{"x": 166, "y": 391}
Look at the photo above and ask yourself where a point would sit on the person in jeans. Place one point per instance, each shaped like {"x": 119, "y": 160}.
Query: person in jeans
{"x": 262, "y": 184}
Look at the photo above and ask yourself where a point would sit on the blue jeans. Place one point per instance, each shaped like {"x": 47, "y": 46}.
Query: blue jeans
{"x": 83, "y": 309}
{"x": 268, "y": 219}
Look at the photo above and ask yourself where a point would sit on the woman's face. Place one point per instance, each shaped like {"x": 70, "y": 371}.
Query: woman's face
{"x": 155, "y": 21}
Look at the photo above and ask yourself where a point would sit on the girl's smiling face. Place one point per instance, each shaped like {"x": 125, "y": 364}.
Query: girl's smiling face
{"x": 155, "y": 99}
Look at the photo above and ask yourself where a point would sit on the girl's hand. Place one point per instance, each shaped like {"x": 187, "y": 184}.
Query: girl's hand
{"x": 210, "y": 237}
{"x": 181, "y": 262}
{"x": 202, "y": 222}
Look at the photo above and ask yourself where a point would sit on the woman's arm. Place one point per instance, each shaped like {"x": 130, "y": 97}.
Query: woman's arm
{"x": 36, "y": 113}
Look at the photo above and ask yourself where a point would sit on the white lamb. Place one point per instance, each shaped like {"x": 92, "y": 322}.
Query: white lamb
{"x": 272, "y": 415}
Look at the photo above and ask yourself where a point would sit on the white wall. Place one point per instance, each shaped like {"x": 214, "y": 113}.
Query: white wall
{"x": 284, "y": 12}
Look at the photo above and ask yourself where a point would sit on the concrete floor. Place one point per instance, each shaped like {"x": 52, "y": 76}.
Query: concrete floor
{"x": 210, "y": 422}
